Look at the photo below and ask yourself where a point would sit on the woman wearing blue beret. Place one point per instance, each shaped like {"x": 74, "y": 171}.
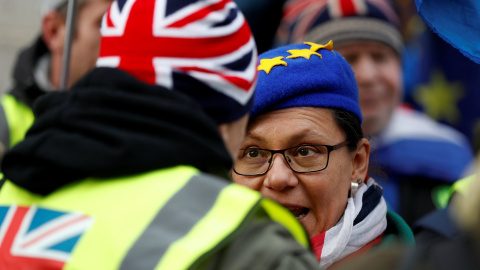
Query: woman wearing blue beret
{"x": 305, "y": 149}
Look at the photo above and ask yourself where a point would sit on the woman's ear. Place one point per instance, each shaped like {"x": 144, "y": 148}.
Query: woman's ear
{"x": 360, "y": 160}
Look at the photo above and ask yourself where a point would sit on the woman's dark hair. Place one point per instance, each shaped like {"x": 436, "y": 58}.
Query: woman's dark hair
{"x": 350, "y": 124}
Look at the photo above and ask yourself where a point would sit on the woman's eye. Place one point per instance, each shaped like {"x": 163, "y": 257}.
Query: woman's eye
{"x": 308, "y": 151}
{"x": 305, "y": 152}
{"x": 252, "y": 153}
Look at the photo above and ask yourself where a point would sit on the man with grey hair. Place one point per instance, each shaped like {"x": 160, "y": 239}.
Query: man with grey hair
{"x": 38, "y": 67}
{"x": 408, "y": 147}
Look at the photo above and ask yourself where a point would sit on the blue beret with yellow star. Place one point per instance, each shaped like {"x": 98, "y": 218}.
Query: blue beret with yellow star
{"x": 305, "y": 75}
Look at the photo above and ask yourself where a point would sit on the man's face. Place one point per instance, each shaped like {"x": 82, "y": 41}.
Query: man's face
{"x": 86, "y": 42}
{"x": 379, "y": 77}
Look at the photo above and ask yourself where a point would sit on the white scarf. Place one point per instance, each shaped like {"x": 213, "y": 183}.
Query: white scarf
{"x": 345, "y": 238}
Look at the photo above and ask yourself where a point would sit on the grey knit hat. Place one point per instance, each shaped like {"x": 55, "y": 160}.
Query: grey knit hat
{"x": 342, "y": 21}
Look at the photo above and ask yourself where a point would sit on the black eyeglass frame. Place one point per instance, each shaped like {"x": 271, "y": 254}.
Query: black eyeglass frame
{"x": 330, "y": 148}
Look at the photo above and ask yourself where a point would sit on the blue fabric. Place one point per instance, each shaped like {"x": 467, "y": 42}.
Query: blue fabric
{"x": 326, "y": 81}
{"x": 390, "y": 193}
{"x": 67, "y": 245}
{"x": 43, "y": 216}
{"x": 457, "y": 22}
{"x": 438, "y": 221}
{"x": 452, "y": 51}
{"x": 441, "y": 160}
{"x": 432, "y": 159}
{"x": 427, "y": 55}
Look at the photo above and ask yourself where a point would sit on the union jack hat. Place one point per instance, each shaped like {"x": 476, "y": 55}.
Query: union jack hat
{"x": 342, "y": 21}
{"x": 204, "y": 49}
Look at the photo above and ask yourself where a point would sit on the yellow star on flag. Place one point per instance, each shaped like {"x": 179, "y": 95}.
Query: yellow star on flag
{"x": 440, "y": 98}
{"x": 306, "y": 53}
{"x": 267, "y": 64}
{"x": 315, "y": 47}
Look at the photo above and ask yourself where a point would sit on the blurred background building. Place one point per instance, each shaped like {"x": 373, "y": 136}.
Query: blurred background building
{"x": 19, "y": 24}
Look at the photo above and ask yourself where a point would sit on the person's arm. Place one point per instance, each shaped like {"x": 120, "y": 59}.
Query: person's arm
{"x": 263, "y": 244}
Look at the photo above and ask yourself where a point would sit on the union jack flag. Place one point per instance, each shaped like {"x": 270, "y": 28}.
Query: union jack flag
{"x": 299, "y": 15}
{"x": 37, "y": 238}
{"x": 182, "y": 45}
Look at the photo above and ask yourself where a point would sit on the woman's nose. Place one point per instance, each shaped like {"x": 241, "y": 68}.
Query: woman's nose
{"x": 280, "y": 177}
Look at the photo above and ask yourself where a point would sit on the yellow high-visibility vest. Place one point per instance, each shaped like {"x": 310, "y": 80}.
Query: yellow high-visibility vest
{"x": 17, "y": 116}
{"x": 118, "y": 223}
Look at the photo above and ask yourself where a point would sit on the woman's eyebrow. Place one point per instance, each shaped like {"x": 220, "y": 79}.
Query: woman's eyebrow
{"x": 249, "y": 137}
{"x": 291, "y": 139}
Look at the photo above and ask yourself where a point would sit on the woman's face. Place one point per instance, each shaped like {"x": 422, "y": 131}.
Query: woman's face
{"x": 317, "y": 199}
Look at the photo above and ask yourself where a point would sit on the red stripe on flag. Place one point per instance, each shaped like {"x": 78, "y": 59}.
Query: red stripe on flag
{"x": 109, "y": 19}
{"x": 138, "y": 46}
{"x": 237, "y": 81}
{"x": 52, "y": 230}
{"x": 141, "y": 68}
{"x": 10, "y": 261}
{"x": 174, "y": 46}
{"x": 199, "y": 14}
{"x": 347, "y": 8}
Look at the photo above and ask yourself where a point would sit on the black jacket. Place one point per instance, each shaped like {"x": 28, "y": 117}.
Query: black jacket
{"x": 110, "y": 124}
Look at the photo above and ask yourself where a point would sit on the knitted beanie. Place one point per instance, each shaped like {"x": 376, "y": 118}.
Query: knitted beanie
{"x": 204, "y": 49}
{"x": 342, "y": 21}
{"x": 305, "y": 75}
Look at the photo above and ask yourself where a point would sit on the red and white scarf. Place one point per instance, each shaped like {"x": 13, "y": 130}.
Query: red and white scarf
{"x": 364, "y": 220}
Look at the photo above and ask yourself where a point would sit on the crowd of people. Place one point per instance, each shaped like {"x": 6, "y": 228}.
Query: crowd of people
{"x": 199, "y": 135}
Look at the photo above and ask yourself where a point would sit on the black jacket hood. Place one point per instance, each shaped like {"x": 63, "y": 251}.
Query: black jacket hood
{"x": 110, "y": 125}
{"x": 25, "y": 88}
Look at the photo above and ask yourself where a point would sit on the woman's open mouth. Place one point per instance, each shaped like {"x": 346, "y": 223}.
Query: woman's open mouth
{"x": 299, "y": 212}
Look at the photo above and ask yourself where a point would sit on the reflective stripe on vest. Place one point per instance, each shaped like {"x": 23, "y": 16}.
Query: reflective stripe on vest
{"x": 194, "y": 215}
{"x": 4, "y": 131}
{"x": 19, "y": 118}
{"x": 280, "y": 215}
{"x": 203, "y": 203}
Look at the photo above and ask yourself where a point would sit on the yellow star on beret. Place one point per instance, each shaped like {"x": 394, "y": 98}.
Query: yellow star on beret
{"x": 267, "y": 64}
{"x": 306, "y": 53}
{"x": 315, "y": 47}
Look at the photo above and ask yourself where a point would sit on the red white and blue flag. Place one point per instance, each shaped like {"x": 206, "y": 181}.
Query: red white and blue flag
{"x": 37, "y": 238}
{"x": 182, "y": 45}
{"x": 299, "y": 15}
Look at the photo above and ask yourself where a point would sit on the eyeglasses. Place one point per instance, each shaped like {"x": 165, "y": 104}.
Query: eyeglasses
{"x": 302, "y": 159}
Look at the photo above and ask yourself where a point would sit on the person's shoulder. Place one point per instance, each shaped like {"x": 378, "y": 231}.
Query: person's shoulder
{"x": 263, "y": 244}
{"x": 415, "y": 144}
{"x": 435, "y": 227}
{"x": 269, "y": 238}
{"x": 412, "y": 124}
